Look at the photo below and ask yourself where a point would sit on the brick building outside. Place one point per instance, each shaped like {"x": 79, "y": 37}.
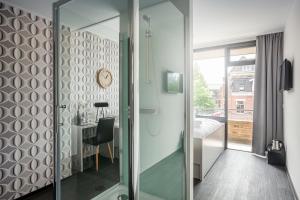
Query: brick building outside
{"x": 240, "y": 104}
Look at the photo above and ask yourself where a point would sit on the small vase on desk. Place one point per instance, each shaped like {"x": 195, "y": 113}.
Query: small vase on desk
{"x": 78, "y": 118}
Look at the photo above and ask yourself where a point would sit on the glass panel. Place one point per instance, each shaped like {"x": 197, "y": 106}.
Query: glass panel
{"x": 162, "y": 173}
{"x": 240, "y": 106}
{"x": 93, "y": 99}
{"x": 209, "y": 109}
{"x": 209, "y": 85}
{"x": 242, "y": 54}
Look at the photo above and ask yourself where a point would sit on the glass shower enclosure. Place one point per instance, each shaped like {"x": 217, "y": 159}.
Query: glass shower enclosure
{"x": 128, "y": 62}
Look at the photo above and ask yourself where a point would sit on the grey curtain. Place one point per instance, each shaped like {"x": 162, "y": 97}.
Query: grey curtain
{"x": 268, "y": 100}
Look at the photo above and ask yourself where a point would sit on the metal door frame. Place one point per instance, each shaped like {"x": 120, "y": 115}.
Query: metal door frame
{"x": 133, "y": 145}
{"x": 133, "y": 72}
{"x": 228, "y": 63}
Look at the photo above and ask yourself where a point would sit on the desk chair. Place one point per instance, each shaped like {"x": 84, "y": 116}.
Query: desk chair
{"x": 104, "y": 134}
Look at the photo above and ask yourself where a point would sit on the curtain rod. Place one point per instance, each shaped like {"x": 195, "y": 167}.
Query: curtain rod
{"x": 239, "y": 44}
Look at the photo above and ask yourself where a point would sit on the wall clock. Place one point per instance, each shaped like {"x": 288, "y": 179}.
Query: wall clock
{"x": 104, "y": 78}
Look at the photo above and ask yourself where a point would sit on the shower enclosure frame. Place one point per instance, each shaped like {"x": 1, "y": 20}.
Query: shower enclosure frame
{"x": 133, "y": 73}
{"x": 56, "y": 137}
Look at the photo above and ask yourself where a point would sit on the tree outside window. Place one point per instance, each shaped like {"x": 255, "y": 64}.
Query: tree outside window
{"x": 203, "y": 99}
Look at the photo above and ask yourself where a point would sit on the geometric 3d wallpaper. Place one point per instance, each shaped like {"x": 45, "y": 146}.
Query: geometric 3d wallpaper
{"x": 26, "y": 99}
{"x": 89, "y": 53}
{"x": 26, "y": 95}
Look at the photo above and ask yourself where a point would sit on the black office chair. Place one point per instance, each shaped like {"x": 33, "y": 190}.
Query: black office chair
{"x": 104, "y": 134}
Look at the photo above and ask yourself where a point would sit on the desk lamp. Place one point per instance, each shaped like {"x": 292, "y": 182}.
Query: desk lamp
{"x": 101, "y": 105}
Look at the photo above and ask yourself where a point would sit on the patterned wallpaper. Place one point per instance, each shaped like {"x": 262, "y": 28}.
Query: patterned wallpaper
{"x": 26, "y": 95}
{"x": 26, "y": 140}
{"x": 90, "y": 53}
{"x": 65, "y": 99}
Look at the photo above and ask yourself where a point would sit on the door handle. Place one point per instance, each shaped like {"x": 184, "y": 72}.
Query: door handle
{"x": 63, "y": 106}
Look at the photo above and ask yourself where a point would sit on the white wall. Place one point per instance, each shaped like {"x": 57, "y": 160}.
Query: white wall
{"x": 292, "y": 98}
{"x": 160, "y": 134}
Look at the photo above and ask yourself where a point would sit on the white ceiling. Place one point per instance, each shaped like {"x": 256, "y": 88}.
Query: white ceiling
{"x": 78, "y": 13}
{"x": 108, "y": 29}
{"x": 215, "y": 21}
{"x": 44, "y": 7}
{"x": 222, "y": 21}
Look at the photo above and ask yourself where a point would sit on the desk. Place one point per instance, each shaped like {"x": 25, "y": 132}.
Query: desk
{"x": 80, "y": 151}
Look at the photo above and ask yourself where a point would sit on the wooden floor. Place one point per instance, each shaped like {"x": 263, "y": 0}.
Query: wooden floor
{"x": 240, "y": 175}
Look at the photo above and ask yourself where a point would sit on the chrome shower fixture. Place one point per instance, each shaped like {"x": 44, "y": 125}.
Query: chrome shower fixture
{"x": 147, "y": 19}
{"x": 148, "y": 35}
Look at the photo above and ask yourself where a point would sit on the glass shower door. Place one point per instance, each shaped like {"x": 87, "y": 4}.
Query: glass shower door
{"x": 162, "y": 101}
{"x": 91, "y": 69}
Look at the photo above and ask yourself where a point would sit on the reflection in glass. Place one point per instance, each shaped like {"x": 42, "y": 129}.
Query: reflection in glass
{"x": 93, "y": 46}
{"x": 209, "y": 84}
{"x": 240, "y": 106}
{"x": 242, "y": 54}
{"x": 162, "y": 173}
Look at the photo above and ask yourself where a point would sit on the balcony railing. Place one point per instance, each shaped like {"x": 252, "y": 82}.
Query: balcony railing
{"x": 240, "y": 129}
{"x": 233, "y": 114}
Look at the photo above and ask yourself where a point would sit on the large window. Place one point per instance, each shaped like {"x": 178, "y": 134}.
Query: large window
{"x": 240, "y": 95}
{"x": 224, "y": 90}
{"x": 240, "y": 106}
{"x": 209, "y": 84}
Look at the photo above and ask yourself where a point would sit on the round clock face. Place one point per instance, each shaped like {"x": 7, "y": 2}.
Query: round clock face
{"x": 104, "y": 78}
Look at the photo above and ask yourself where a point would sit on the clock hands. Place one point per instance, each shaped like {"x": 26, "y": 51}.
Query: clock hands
{"x": 104, "y": 78}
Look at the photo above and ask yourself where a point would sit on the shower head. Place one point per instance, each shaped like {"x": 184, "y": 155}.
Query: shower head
{"x": 146, "y": 18}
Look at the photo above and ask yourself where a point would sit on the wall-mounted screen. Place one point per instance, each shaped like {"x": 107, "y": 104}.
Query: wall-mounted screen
{"x": 174, "y": 82}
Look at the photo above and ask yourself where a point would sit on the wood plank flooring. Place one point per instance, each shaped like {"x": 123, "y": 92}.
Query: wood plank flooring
{"x": 240, "y": 175}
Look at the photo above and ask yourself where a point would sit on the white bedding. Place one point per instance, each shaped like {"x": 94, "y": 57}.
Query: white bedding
{"x": 209, "y": 140}
{"x": 203, "y": 127}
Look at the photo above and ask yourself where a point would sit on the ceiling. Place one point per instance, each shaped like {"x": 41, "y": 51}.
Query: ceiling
{"x": 215, "y": 21}
{"x": 219, "y": 21}
{"x": 79, "y": 13}
{"x": 108, "y": 29}
{"x": 44, "y": 7}
{"x": 39, "y": 7}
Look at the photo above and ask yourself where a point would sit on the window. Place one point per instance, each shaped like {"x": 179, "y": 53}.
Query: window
{"x": 242, "y": 54}
{"x": 242, "y": 87}
{"x": 234, "y": 97}
{"x": 240, "y": 106}
{"x": 209, "y": 84}
{"x": 241, "y": 84}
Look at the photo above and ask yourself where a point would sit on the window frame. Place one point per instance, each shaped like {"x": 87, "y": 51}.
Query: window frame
{"x": 240, "y": 103}
{"x": 240, "y": 46}
{"x": 228, "y": 63}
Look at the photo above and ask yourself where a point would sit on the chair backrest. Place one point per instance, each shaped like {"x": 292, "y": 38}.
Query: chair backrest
{"x": 105, "y": 130}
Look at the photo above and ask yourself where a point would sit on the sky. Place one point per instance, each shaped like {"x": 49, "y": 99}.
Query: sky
{"x": 212, "y": 70}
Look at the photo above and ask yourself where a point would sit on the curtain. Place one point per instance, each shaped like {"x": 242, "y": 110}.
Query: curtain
{"x": 268, "y": 100}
